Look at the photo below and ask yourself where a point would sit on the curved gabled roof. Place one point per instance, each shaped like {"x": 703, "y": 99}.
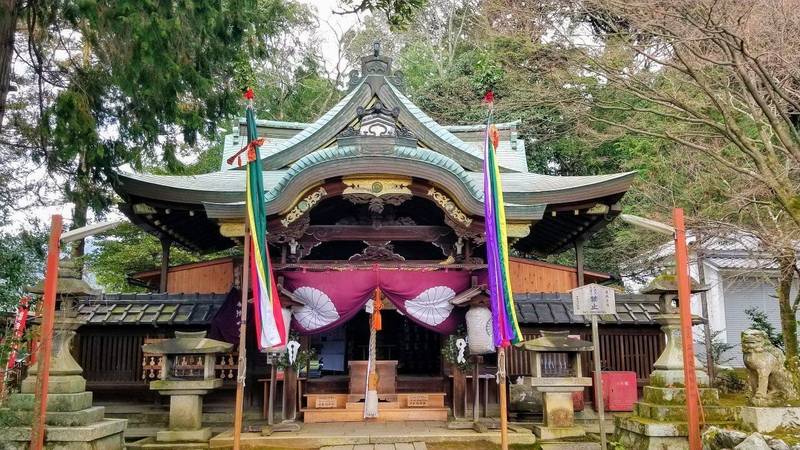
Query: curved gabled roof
{"x": 521, "y": 190}
{"x": 298, "y": 156}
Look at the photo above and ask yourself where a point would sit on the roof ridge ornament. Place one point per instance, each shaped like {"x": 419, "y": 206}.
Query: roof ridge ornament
{"x": 376, "y": 64}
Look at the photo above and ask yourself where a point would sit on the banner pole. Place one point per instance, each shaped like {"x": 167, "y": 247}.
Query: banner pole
{"x": 684, "y": 303}
{"x": 501, "y": 365}
{"x": 242, "y": 366}
{"x": 46, "y": 338}
{"x": 598, "y": 383}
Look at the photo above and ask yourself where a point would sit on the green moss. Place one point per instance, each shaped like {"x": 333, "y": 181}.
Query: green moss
{"x": 789, "y": 435}
{"x": 733, "y": 399}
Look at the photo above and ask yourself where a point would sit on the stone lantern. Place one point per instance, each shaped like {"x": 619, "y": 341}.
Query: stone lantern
{"x": 72, "y": 421}
{"x": 557, "y": 372}
{"x": 669, "y": 366}
{"x": 187, "y": 373}
{"x": 659, "y": 418}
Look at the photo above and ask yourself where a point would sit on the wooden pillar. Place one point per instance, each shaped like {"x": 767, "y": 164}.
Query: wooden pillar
{"x": 579, "y": 261}
{"x": 289, "y": 393}
{"x": 476, "y": 388}
{"x": 166, "y": 243}
{"x": 273, "y": 374}
{"x": 459, "y": 392}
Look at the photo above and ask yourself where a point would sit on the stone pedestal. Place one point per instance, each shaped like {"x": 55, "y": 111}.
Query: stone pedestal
{"x": 185, "y": 409}
{"x": 72, "y": 421}
{"x": 659, "y": 420}
{"x": 559, "y": 417}
{"x": 669, "y": 366}
{"x": 769, "y": 419}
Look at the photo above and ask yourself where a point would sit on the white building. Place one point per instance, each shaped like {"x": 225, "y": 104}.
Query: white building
{"x": 740, "y": 276}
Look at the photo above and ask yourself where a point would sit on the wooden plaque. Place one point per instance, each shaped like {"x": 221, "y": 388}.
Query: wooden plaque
{"x": 417, "y": 400}
{"x": 325, "y": 402}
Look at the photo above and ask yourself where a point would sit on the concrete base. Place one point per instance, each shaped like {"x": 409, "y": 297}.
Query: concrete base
{"x": 199, "y": 435}
{"x": 768, "y": 419}
{"x": 104, "y": 435}
{"x": 552, "y": 433}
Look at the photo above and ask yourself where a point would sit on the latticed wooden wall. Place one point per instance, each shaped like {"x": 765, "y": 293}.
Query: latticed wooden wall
{"x": 621, "y": 348}
{"x": 117, "y": 359}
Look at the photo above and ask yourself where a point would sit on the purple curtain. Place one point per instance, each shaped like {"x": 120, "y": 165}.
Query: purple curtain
{"x": 333, "y": 297}
{"x": 225, "y": 324}
{"x": 424, "y": 297}
{"x": 330, "y": 297}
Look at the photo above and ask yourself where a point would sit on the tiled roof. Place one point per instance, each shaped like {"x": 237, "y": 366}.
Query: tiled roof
{"x": 200, "y": 309}
{"x": 150, "y": 309}
{"x": 556, "y": 309}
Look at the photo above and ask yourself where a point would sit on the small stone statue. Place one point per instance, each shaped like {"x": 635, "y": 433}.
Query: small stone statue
{"x": 770, "y": 382}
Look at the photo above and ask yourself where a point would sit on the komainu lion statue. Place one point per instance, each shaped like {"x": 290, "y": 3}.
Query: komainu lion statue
{"x": 770, "y": 381}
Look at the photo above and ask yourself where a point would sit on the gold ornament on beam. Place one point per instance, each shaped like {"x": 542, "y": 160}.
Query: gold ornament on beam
{"x": 450, "y": 207}
{"x": 308, "y": 202}
{"x": 376, "y": 186}
{"x": 518, "y": 230}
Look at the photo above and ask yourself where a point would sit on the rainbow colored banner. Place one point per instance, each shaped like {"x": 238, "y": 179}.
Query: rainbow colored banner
{"x": 268, "y": 316}
{"x": 504, "y": 315}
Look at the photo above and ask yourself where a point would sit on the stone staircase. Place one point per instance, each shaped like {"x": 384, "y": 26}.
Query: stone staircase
{"x": 399, "y": 407}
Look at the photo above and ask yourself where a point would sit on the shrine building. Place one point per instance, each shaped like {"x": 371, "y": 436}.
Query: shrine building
{"x": 373, "y": 195}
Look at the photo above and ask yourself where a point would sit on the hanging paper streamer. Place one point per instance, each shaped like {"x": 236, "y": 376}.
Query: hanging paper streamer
{"x": 292, "y": 347}
{"x": 461, "y": 344}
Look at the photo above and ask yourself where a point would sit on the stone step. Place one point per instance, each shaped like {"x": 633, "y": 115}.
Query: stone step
{"x": 384, "y": 415}
{"x": 561, "y": 445}
{"x": 650, "y": 427}
{"x": 55, "y": 402}
{"x": 677, "y": 395}
{"x": 67, "y": 419}
{"x": 360, "y": 405}
{"x": 711, "y": 413}
{"x": 398, "y": 446}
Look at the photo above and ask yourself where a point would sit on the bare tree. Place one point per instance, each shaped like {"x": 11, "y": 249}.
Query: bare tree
{"x": 719, "y": 79}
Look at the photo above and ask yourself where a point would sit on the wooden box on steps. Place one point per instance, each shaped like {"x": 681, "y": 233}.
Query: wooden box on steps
{"x": 387, "y": 378}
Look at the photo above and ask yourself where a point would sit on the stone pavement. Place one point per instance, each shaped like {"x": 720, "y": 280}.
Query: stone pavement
{"x": 352, "y": 435}
{"x": 400, "y": 446}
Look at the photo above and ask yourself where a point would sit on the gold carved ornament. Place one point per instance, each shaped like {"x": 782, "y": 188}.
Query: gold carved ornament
{"x": 376, "y": 186}
{"x": 450, "y": 207}
{"x": 308, "y": 202}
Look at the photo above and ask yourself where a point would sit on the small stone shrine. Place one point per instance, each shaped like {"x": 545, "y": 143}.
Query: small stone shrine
{"x": 557, "y": 373}
{"x": 659, "y": 420}
{"x": 187, "y": 373}
{"x": 72, "y": 423}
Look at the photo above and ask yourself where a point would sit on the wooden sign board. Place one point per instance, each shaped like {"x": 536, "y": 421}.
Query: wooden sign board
{"x": 593, "y": 299}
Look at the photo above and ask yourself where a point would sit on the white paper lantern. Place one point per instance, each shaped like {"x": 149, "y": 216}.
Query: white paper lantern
{"x": 479, "y": 330}
{"x": 287, "y": 319}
